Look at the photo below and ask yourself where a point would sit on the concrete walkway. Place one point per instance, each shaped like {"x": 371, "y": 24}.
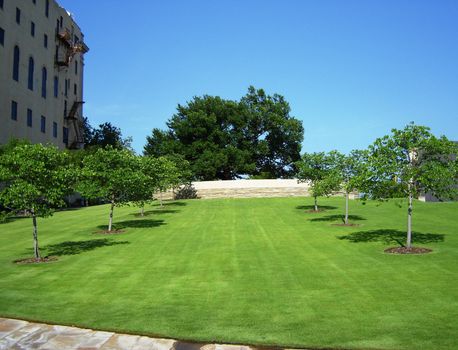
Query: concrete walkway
{"x": 22, "y": 335}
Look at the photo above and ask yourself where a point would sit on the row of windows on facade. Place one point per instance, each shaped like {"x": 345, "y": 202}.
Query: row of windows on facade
{"x": 46, "y": 6}
{"x": 34, "y": 2}
{"x": 45, "y": 39}
{"x": 45, "y": 36}
{"x": 59, "y": 25}
{"x": 44, "y": 76}
{"x": 14, "y": 116}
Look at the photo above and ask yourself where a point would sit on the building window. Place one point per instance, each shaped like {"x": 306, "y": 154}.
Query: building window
{"x": 47, "y": 8}
{"x": 16, "y": 64}
{"x": 65, "y": 135}
{"x": 14, "y": 110}
{"x": 44, "y": 80}
{"x": 65, "y": 109}
{"x": 75, "y": 89}
{"x": 30, "y": 76}
{"x": 66, "y": 88}
{"x": 45, "y": 40}
{"x": 56, "y": 86}
{"x": 76, "y": 67}
{"x": 29, "y": 117}
{"x": 32, "y": 28}
{"x": 57, "y": 54}
{"x": 2, "y": 36}
{"x": 1, "y": 4}
{"x": 77, "y": 40}
{"x": 61, "y": 22}
{"x": 43, "y": 124}
{"x": 18, "y": 16}
{"x": 54, "y": 129}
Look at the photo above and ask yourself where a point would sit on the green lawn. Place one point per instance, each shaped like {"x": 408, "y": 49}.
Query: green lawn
{"x": 255, "y": 271}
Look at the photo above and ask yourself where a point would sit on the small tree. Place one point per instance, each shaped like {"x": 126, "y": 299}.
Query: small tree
{"x": 319, "y": 169}
{"x": 351, "y": 170}
{"x": 35, "y": 179}
{"x": 410, "y": 162}
{"x": 151, "y": 168}
{"x": 112, "y": 175}
{"x": 168, "y": 176}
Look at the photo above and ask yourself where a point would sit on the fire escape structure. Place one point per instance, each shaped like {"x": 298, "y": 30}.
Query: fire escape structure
{"x": 75, "y": 124}
{"x": 66, "y": 50}
{"x": 69, "y": 48}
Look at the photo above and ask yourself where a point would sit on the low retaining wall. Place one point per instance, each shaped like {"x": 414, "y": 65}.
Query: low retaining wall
{"x": 251, "y": 188}
{"x": 247, "y": 189}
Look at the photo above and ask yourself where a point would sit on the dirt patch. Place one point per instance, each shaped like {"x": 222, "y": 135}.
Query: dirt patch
{"x": 46, "y": 259}
{"x": 313, "y": 211}
{"x": 347, "y": 225}
{"x": 112, "y": 232}
{"x": 405, "y": 250}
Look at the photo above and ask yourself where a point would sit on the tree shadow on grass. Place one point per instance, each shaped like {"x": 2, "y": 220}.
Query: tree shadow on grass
{"x": 171, "y": 204}
{"x": 312, "y": 207}
{"x": 148, "y": 223}
{"x": 176, "y": 204}
{"x": 339, "y": 217}
{"x": 156, "y": 212}
{"x": 73, "y": 248}
{"x": 8, "y": 219}
{"x": 389, "y": 236}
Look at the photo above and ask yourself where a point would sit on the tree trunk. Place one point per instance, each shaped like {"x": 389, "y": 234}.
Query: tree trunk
{"x": 160, "y": 199}
{"x": 316, "y": 203}
{"x": 347, "y": 195}
{"x": 142, "y": 211}
{"x": 35, "y": 236}
{"x": 409, "y": 220}
{"x": 110, "y": 223}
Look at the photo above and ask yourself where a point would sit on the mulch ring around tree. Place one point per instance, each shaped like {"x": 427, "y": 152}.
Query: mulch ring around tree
{"x": 405, "y": 250}
{"x": 347, "y": 225}
{"x": 112, "y": 232}
{"x": 46, "y": 259}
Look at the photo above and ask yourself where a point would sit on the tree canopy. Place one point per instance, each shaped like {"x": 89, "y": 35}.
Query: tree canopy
{"x": 350, "y": 170}
{"x": 224, "y": 139}
{"x": 321, "y": 170}
{"x": 112, "y": 175}
{"x": 411, "y": 162}
{"x": 35, "y": 179}
{"x": 106, "y": 134}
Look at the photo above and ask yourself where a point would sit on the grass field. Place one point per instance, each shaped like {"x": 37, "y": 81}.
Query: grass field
{"x": 255, "y": 271}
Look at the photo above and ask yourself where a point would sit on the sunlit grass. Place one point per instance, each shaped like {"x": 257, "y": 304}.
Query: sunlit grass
{"x": 257, "y": 271}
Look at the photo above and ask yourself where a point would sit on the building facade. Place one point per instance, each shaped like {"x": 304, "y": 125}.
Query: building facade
{"x": 41, "y": 73}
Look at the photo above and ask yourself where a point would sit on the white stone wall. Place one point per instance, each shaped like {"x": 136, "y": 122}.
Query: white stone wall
{"x": 247, "y": 189}
{"x": 244, "y": 184}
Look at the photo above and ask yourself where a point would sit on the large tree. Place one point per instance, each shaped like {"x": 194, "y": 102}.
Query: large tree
{"x": 411, "y": 162}
{"x": 319, "y": 169}
{"x": 273, "y": 135}
{"x": 106, "y": 134}
{"x": 207, "y": 133}
{"x": 224, "y": 139}
{"x": 35, "y": 179}
{"x": 112, "y": 175}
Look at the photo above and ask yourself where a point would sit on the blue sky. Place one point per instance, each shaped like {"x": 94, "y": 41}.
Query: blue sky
{"x": 351, "y": 70}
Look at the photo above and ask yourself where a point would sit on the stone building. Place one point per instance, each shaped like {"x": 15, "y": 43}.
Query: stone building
{"x": 41, "y": 73}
